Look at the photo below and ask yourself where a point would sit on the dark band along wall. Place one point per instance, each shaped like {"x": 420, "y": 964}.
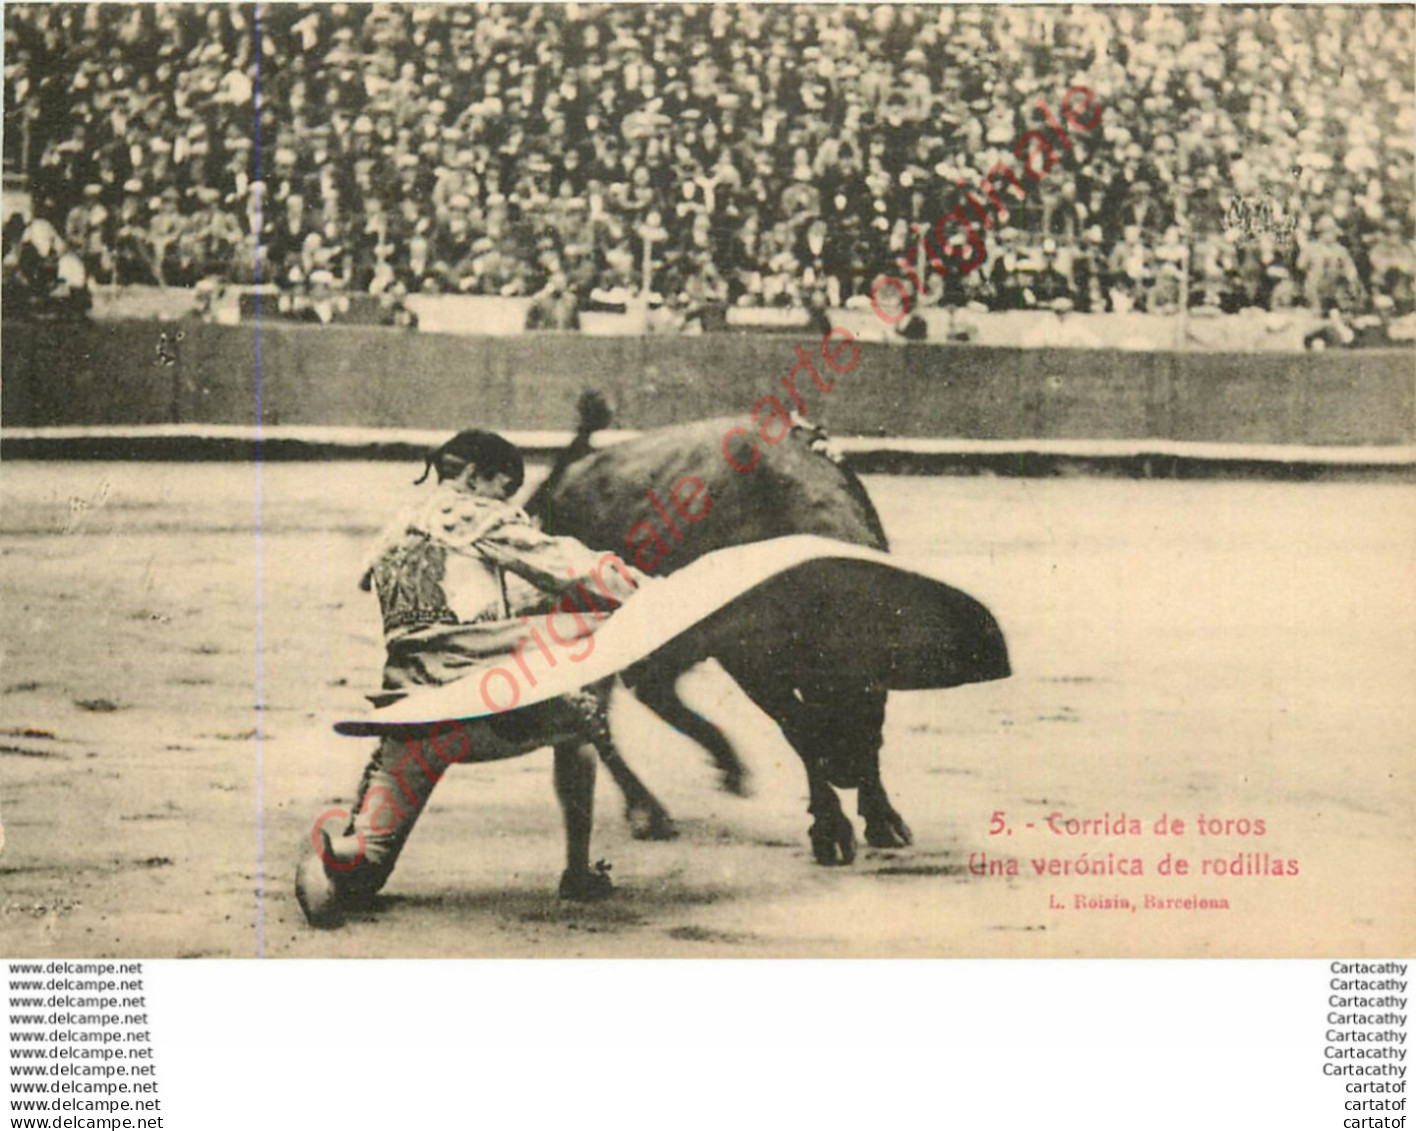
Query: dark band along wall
{"x": 127, "y": 373}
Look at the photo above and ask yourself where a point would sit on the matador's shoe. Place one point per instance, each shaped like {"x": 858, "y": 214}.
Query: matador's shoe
{"x": 317, "y": 889}
{"x": 588, "y": 886}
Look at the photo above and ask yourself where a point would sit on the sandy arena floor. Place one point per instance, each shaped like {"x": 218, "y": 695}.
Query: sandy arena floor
{"x": 1231, "y": 650}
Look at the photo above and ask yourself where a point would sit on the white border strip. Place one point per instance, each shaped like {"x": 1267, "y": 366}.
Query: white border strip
{"x": 287, "y": 433}
{"x": 1394, "y": 455}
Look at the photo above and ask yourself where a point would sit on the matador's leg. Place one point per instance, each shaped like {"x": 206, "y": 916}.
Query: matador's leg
{"x": 587, "y": 712}
{"x": 397, "y": 783}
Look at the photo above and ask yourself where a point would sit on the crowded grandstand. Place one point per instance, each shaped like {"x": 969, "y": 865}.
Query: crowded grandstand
{"x": 703, "y": 158}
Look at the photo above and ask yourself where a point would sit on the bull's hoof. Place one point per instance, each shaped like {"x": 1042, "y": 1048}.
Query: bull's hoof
{"x": 887, "y": 830}
{"x": 737, "y": 781}
{"x": 650, "y": 822}
{"x": 587, "y": 885}
{"x": 833, "y": 840}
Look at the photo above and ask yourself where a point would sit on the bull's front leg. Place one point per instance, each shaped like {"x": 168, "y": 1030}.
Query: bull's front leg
{"x": 884, "y": 827}
{"x": 832, "y": 837}
{"x": 656, "y": 686}
{"x": 647, "y": 817}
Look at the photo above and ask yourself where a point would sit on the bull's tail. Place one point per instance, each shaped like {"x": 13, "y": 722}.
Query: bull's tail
{"x": 592, "y": 414}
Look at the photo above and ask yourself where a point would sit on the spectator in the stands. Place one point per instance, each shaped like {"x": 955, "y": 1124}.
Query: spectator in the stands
{"x": 288, "y": 234}
{"x": 1329, "y": 274}
{"x": 1005, "y": 274}
{"x": 554, "y": 307}
{"x": 86, "y": 231}
{"x": 1393, "y": 267}
{"x": 134, "y": 259}
{"x": 43, "y": 277}
{"x": 1129, "y": 270}
{"x": 1051, "y": 284}
{"x": 171, "y": 248}
{"x": 1169, "y": 273}
{"x": 216, "y": 235}
{"x": 13, "y": 233}
{"x": 1266, "y": 274}
{"x": 34, "y": 272}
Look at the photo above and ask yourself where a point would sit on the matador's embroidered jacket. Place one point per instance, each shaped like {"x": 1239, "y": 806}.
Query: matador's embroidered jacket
{"x": 455, "y": 574}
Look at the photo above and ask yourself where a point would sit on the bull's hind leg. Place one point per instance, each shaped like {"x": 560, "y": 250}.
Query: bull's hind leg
{"x": 884, "y": 827}
{"x": 842, "y": 727}
{"x": 657, "y": 689}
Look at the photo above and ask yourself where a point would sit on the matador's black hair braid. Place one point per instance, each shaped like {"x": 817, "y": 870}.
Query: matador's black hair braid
{"x": 489, "y": 453}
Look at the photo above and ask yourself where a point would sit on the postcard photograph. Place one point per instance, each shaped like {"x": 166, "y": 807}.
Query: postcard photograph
{"x": 708, "y": 481}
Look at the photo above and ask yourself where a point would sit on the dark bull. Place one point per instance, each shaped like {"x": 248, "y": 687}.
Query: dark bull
{"x": 795, "y": 650}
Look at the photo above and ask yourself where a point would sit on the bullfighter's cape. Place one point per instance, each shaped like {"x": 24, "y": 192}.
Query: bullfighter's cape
{"x": 815, "y": 604}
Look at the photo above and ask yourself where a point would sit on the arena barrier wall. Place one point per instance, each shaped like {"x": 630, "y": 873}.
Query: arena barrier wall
{"x": 1255, "y": 331}
{"x": 142, "y": 373}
